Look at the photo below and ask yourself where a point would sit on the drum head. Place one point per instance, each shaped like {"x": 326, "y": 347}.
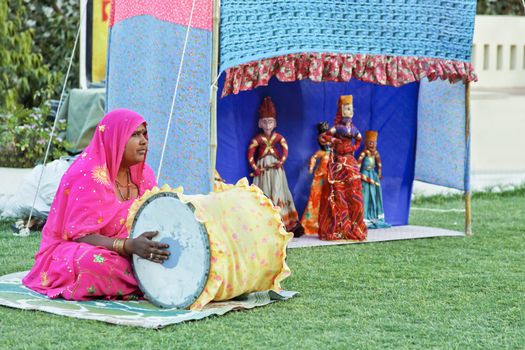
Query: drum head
{"x": 180, "y": 280}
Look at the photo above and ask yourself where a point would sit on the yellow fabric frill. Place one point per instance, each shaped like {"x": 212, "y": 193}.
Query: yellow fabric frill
{"x": 247, "y": 240}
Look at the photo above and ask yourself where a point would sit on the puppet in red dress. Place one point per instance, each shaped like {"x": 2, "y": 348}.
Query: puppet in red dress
{"x": 341, "y": 213}
{"x": 266, "y": 154}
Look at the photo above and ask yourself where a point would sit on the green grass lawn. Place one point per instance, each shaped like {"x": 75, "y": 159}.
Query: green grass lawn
{"x": 459, "y": 293}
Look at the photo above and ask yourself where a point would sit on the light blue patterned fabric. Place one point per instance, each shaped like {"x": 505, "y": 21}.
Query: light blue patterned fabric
{"x": 441, "y": 151}
{"x": 256, "y": 29}
{"x": 140, "y": 313}
{"x": 144, "y": 57}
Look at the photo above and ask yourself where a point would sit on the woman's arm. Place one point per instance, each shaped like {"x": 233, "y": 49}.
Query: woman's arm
{"x": 142, "y": 246}
{"x": 97, "y": 240}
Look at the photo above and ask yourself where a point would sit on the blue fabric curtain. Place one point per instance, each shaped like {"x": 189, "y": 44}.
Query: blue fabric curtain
{"x": 442, "y": 152}
{"x": 143, "y": 60}
{"x": 254, "y": 29}
{"x": 300, "y": 106}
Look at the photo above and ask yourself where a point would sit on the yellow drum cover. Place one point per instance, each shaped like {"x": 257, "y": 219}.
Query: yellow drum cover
{"x": 247, "y": 240}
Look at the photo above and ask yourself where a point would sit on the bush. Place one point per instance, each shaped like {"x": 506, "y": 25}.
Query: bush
{"x": 24, "y": 134}
{"x": 25, "y": 80}
{"x": 500, "y": 7}
{"x": 55, "y": 24}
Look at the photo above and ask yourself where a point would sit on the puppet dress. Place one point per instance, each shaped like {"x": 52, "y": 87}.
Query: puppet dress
{"x": 341, "y": 212}
{"x": 272, "y": 181}
{"x": 310, "y": 219}
{"x": 372, "y": 195}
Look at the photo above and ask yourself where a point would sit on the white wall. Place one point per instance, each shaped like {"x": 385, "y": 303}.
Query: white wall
{"x": 498, "y": 101}
{"x": 498, "y": 52}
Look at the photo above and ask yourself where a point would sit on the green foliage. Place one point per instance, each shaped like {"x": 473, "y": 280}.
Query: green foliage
{"x": 500, "y": 7}
{"x": 24, "y": 134}
{"x": 25, "y": 80}
{"x": 55, "y": 25}
{"x": 36, "y": 39}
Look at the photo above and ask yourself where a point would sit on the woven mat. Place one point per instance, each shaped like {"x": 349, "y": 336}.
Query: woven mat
{"x": 129, "y": 313}
{"x": 380, "y": 235}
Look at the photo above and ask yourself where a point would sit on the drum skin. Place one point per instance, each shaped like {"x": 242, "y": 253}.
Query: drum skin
{"x": 247, "y": 242}
{"x": 178, "y": 281}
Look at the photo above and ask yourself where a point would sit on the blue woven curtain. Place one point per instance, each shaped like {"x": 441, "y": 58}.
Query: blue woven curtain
{"x": 256, "y": 29}
{"x": 300, "y": 106}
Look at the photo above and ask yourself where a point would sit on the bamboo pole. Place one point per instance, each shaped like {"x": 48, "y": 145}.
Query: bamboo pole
{"x": 213, "y": 89}
{"x": 468, "y": 197}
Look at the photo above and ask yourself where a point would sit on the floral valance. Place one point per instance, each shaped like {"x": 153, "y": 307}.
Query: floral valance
{"x": 318, "y": 67}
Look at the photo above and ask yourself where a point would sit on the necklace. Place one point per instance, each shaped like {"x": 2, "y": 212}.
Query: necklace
{"x": 128, "y": 186}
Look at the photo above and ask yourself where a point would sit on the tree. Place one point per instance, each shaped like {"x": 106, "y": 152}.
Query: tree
{"x": 500, "y": 7}
{"x": 55, "y": 24}
{"x": 25, "y": 81}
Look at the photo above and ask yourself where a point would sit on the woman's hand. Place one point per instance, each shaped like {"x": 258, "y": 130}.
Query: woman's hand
{"x": 144, "y": 247}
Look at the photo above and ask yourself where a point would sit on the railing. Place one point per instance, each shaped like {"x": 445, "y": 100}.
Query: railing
{"x": 498, "y": 52}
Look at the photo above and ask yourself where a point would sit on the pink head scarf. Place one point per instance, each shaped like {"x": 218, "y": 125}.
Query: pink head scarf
{"x": 86, "y": 201}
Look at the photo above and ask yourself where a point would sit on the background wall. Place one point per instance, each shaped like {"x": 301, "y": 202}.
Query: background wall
{"x": 498, "y": 52}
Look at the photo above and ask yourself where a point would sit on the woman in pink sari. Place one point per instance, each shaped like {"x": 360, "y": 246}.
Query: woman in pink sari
{"x": 85, "y": 252}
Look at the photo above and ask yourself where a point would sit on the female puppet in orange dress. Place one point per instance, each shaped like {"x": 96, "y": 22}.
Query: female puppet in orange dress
{"x": 310, "y": 219}
{"x": 341, "y": 212}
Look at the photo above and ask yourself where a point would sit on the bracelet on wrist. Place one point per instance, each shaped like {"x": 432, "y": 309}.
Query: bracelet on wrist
{"x": 119, "y": 246}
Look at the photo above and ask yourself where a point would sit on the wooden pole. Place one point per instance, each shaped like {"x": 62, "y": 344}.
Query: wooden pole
{"x": 213, "y": 88}
{"x": 468, "y": 198}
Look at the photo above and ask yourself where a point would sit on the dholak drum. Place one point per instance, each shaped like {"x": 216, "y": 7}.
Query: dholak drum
{"x": 223, "y": 244}
{"x": 178, "y": 281}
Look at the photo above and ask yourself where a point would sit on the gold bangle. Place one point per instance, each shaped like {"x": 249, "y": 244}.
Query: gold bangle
{"x": 114, "y": 246}
{"x": 119, "y": 246}
{"x": 121, "y": 250}
{"x": 124, "y": 252}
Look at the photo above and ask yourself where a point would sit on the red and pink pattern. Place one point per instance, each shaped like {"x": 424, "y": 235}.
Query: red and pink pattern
{"x": 378, "y": 69}
{"x": 166, "y": 10}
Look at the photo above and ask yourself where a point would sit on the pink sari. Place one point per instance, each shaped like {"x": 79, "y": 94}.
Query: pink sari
{"x": 86, "y": 203}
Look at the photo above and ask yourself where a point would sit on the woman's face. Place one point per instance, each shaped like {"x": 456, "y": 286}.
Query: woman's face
{"x": 136, "y": 147}
{"x": 347, "y": 111}
{"x": 371, "y": 144}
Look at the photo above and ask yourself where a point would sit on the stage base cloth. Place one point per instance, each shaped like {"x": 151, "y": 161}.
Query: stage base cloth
{"x": 394, "y": 233}
{"x": 140, "y": 313}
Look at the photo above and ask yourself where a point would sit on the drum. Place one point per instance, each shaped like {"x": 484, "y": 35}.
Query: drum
{"x": 223, "y": 244}
{"x": 178, "y": 281}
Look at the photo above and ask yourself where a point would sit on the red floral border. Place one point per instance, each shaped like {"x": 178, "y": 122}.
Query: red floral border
{"x": 378, "y": 69}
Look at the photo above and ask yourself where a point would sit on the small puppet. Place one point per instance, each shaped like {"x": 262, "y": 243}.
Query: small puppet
{"x": 368, "y": 161}
{"x": 267, "y": 153}
{"x": 310, "y": 219}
